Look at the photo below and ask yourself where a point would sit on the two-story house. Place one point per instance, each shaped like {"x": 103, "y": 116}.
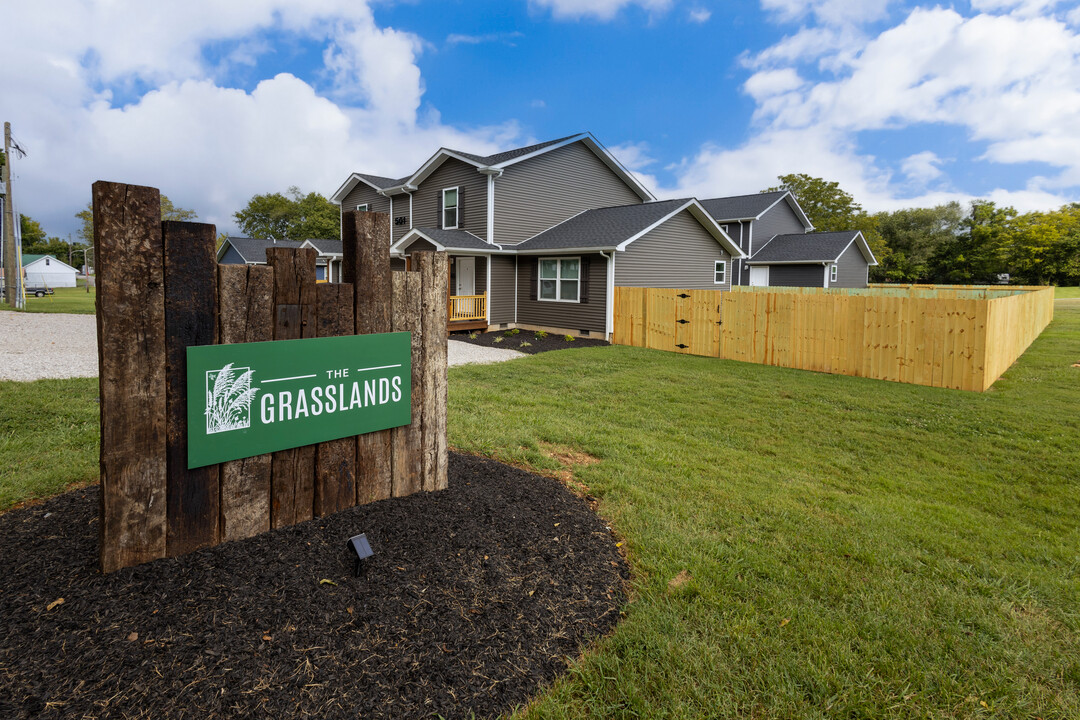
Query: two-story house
{"x": 539, "y": 237}
{"x": 781, "y": 248}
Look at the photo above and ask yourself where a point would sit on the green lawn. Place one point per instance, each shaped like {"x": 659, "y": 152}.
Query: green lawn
{"x": 1061, "y": 293}
{"x": 65, "y": 300}
{"x": 856, "y": 548}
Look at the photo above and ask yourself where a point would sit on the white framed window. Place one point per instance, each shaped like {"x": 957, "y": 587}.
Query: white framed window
{"x": 832, "y": 273}
{"x": 560, "y": 279}
{"x": 725, "y": 229}
{"x": 720, "y": 272}
{"x": 363, "y": 207}
{"x": 450, "y": 208}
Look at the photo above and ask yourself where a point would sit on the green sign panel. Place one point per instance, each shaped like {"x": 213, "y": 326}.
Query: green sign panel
{"x": 253, "y": 398}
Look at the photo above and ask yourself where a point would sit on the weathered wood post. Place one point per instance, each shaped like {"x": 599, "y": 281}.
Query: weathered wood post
{"x": 131, "y": 370}
{"x": 245, "y": 302}
{"x": 335, "y": 461}
{"x": 292, "y": 484}
{"x": 366, "y": 265}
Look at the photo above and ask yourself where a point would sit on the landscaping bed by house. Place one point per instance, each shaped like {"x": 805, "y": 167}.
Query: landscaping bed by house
{"x": 528, "y": 341}
{"x": 475, "y": 598}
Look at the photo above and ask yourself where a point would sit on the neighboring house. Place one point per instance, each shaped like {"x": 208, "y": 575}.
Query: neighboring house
{"x": 252, "y": 251}
{"x": 827, "y": 259}
{"x": 538, "y": 237}
{"x": 758, "y": 221}
{"x": 47, "y": 271}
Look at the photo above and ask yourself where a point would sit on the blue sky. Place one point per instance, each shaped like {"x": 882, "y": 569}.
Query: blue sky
{"x": 904, "y": 104}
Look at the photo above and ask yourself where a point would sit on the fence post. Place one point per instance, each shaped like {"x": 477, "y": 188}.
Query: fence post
{"x": 131, "y": 361}
{"x": 335, "y": 461}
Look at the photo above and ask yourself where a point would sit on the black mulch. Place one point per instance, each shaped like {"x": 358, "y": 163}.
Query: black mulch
{"x": 535, "y": 344}
{"x": 475, "y": 598}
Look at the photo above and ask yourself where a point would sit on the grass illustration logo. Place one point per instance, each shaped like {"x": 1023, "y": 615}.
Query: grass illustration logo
{"x": 228, "y": 399}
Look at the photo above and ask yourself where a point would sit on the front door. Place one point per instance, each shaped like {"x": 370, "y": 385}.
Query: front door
{"x": 759, "y": 276}
{"x": 466, "y": 275}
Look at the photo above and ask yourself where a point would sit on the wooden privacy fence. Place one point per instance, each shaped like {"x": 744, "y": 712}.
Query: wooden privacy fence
{"x": 160, "y": 290}
{"x": 951, "y": 341}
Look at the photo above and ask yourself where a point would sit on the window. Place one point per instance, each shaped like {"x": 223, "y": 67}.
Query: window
{"x": 720, "y": 272}
{"x": 450, "y": 208}
{"x": 832, "y": 274}
{"x": 724, "y": 228}
{"x": 362, "y": 208}
{"x": 560, "y": 279}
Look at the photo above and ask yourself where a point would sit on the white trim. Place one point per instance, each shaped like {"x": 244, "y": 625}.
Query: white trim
{"x": 559, "y": 259}
{"x": 609, "y": 310}
{"x": 790, "y": 197}
{"x": 457, "y": 208}
{"x": 391, "y": 218}
{"x": 540, "y": 151}
{"x": 347, "y": 187}
{"x": 434, "y": 162}
{"x": 702, "y": 216}
{"x": 457, "y": 274}
{"x": 487, "y": 292}
{"x": 365, "y": 206}
{"x": 50, "y": 257}
{"x": 491, "y": 208}
{"x": 750, "y": 242}
{"x": 725, "y": 272}
{"x": 786, "y": 262}
{"x": 750, "y": 281}
{"x": 399, "y": 247}
{"x": 826, "y": 285}
{"x": 516, "y": 286}
{"x": 834, "y": 272}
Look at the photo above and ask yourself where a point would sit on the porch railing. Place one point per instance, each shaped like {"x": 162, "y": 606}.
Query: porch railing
{"x": 468, "y": 307}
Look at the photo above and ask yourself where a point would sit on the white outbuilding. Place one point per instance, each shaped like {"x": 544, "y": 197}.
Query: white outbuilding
{"x": 47, "y": 271}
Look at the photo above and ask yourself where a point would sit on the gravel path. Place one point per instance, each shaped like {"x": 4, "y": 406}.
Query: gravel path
{"x": 47, "y": 345}
{"x": 54, "y": 345}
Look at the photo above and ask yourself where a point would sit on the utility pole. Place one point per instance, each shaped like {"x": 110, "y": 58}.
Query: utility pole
{"x": 11, "y": 264}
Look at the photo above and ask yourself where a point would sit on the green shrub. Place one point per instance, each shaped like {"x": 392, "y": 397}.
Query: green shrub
{"x": 497, "y": 340}
{"x": 525, "y": 343}
{"x": 569, "y": 338}
{"x": 541, "y": 334}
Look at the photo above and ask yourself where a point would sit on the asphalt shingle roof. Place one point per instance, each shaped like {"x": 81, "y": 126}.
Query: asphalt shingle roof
{"x": 510, "y": 154}
{"x": 457, "y": 239}
{"x": 601, "y": 228}
{"x": 254, "y": 249}
{"x": 383, "y": 182}
{"x": 740, "y": 207}
{"x": 810, "y": 247}
{"x": 326, "y": 247}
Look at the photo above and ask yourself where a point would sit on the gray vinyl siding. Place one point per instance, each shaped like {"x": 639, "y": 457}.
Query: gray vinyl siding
{"x": 231, "y": 257}
{"x": 740, "y": 233}
{"x": 501, "y": 302}
{"x": 570, "y": 316}
{"x": 678, "y": 254}
{"x": 851, "y": 269}
{"x": 480, "y": 281}
{"x": 779, "y": 220}
{"x": 401, "y": 209}
{"x": 419, "y": 244}
{"x": 797, "y": 275}
{"x": 473, "y": 186}
{"x": 362, "y": 194}
{"x": 397, "y": 264}
{"x": 543, "y": 191}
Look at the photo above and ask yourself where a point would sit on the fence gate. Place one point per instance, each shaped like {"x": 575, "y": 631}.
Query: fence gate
{"x": 684, "y": 321}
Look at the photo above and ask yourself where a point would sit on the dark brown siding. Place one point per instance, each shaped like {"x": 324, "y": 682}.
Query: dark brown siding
{"x": 501, "y": 302}
{"x": 452, "y": 173}
{"x": 678, "y": 254}
{"x": 570, "y": 316}
{"x": 543, "y": 191}
{"x": 363, "y": 193}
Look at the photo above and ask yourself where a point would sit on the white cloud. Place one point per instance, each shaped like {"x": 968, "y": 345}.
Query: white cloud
{"x": 1011, "y": 82}
{"x": 506, "y": 37}
{"x": 700, "y": 15}
{"x": 635, "y": 156}
{"x": 597, "y": 9}
{"x": 922, "y": 167}
{"x": 209, "y": 147}
{"x": 828, "y": 12}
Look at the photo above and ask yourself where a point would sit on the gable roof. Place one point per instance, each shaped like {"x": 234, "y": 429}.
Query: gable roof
{"x": 325, "y": 247}
{"x": 30, "y": 259}
{"x": 491, "y": 165}
{"x": 446, "y": 240}
{"x": 613, "y": 228}
{"x": 752, "y": 207}
{"x": 824, "y": 247}
{"x": 253, "y": 250}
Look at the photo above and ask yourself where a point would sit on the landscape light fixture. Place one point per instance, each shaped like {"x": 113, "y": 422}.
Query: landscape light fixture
{"x": 359, "y": 545}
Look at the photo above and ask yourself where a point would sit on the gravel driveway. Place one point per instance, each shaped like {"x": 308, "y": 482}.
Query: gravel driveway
{"x": 54, "y": 345}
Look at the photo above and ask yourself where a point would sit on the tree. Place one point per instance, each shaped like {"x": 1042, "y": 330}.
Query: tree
{"x": 293, "y": 216}
{"x": 912, "y": 236}
{"x": 980, "y": 251}
{"x": 832, "y": 209}
{"x": 168, "y": 212}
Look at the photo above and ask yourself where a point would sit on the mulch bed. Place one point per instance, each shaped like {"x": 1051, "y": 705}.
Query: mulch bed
{"x": 536, "y": 345}
{"x": 476, "y": 597}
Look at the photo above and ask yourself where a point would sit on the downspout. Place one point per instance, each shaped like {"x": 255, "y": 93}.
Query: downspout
{"x": 493, "y": 173}
{"x": 609, "y": 310}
